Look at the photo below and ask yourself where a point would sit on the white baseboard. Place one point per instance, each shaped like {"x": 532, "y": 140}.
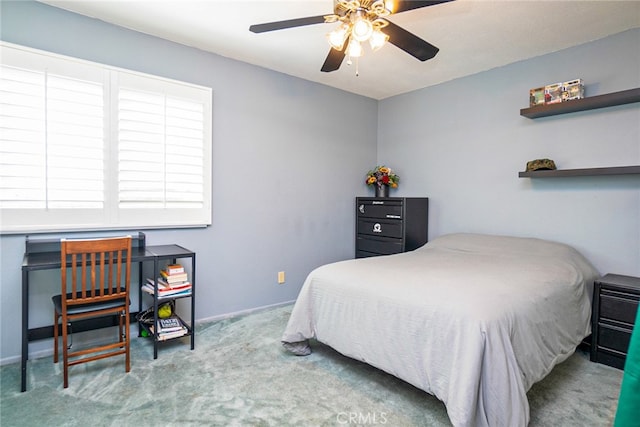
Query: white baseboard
{"x": 242, "y": 312}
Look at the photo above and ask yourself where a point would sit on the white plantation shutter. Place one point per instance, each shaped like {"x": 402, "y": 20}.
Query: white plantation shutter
{"x": 87, "y": 146}
{"x": 75, "y": 143}
{"x": 22, "y": 141}
{"x": 185, "y": 164}
{"x": 160, "y": 151}
{"x": 141, "y": 149}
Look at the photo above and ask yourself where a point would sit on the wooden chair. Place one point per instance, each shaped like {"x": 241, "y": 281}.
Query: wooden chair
{"x": 95, "y": 283}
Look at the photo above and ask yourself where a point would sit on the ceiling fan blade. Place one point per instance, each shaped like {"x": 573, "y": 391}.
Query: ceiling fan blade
{"x": 334, "y": 59}
{"x": 410, "y": 43}
{"x": 404, "y": 5}
{"x": 289, "y": 23}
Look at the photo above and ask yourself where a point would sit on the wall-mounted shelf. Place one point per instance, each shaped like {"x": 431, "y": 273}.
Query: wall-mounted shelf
{"x": 616, "y": 170}
{"x": 592, "y": 102}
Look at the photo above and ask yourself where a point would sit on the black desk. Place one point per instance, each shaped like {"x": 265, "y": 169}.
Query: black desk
{"x": 44, "y": 254}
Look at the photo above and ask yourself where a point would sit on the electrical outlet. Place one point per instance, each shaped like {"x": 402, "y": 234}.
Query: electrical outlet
{"x": 280, "y": 277}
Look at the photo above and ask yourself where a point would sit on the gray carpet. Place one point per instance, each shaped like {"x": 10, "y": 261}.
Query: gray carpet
{"x": 239, "y": 375}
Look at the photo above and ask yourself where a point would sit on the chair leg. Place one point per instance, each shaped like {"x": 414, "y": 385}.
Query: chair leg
{"x": 70, "y": 335}
{"x": 121, "y": 327}
{"x": 55, "y": 336}
{"x": 127, "y": 341}
{"x": 65, "y": 356}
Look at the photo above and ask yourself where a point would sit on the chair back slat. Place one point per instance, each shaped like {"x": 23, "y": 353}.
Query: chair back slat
{"x": 118, "y": 278}
{"x": 93, "y": 274}
{"x": 83, "y": 276}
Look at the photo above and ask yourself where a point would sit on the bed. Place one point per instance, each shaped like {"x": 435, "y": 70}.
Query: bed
{"x": 472, "y": 319}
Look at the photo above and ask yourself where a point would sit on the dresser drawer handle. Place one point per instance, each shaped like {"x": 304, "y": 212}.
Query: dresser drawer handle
{"x": 377, "y": 228}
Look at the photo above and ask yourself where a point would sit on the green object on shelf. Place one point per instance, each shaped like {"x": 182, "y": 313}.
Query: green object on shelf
{"x": 164, "y": 311}
{"x": 629, "y": 401}
{"x": 537, "y": 164}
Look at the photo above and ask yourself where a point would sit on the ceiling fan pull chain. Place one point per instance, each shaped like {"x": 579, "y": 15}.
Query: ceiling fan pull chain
{"x": 349, "y": 62}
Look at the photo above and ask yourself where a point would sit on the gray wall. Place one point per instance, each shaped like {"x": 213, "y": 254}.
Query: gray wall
{"x": 462, "y": 143}
{"x": 286, "y": 169}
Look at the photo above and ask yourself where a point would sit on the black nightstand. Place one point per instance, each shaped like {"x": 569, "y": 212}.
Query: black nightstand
{"x": 615, "y": 303}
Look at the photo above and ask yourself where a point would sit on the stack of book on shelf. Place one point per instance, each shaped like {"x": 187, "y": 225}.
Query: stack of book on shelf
{"x": 169, "y": 328}
{"x": 173, "y": 282}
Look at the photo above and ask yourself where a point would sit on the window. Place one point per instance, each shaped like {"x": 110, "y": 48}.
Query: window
{"x": 86, "y": 146}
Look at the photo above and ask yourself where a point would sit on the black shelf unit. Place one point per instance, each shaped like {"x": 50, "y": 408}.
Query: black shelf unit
{"x": 628, "y": 96}
{"x": 615, "y": 170}
{"x": 169, "y": 254}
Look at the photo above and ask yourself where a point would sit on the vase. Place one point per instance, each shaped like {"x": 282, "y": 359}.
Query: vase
{"x": 382, "y": 191}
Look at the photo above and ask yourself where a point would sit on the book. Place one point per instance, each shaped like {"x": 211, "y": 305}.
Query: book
{"x": 166, "y": 335}
{"x": 174, "y": 269}
{"x": 169, "y": 324}
{"x": 167, "y": 292}
{"x": 163, "y": 285}
{"x": 173, "y": 278}
{"x": 171, "y": 335}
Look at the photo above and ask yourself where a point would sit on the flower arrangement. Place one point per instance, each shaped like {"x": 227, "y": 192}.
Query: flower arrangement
{"x": 382, "y": 175}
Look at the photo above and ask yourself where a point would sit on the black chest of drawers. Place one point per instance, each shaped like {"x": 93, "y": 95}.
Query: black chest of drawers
{"x": 615, "y": 303}
{"x": 390, "y": 225}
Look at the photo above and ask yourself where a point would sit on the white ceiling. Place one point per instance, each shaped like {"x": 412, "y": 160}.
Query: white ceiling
{"x": 473, "y": 35}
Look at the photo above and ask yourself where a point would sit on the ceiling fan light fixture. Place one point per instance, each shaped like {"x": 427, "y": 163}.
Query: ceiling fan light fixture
{"x": 354, "y": 49}
{"x": 338, "y": 36}
{"x": 362, "y": 28}
{"x": 377, "y": 40}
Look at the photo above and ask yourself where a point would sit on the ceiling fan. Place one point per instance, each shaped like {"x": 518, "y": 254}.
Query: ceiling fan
{"x": 361, "y": 21}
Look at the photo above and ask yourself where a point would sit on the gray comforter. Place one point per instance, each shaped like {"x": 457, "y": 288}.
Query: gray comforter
{"x": 473, "y": 319}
